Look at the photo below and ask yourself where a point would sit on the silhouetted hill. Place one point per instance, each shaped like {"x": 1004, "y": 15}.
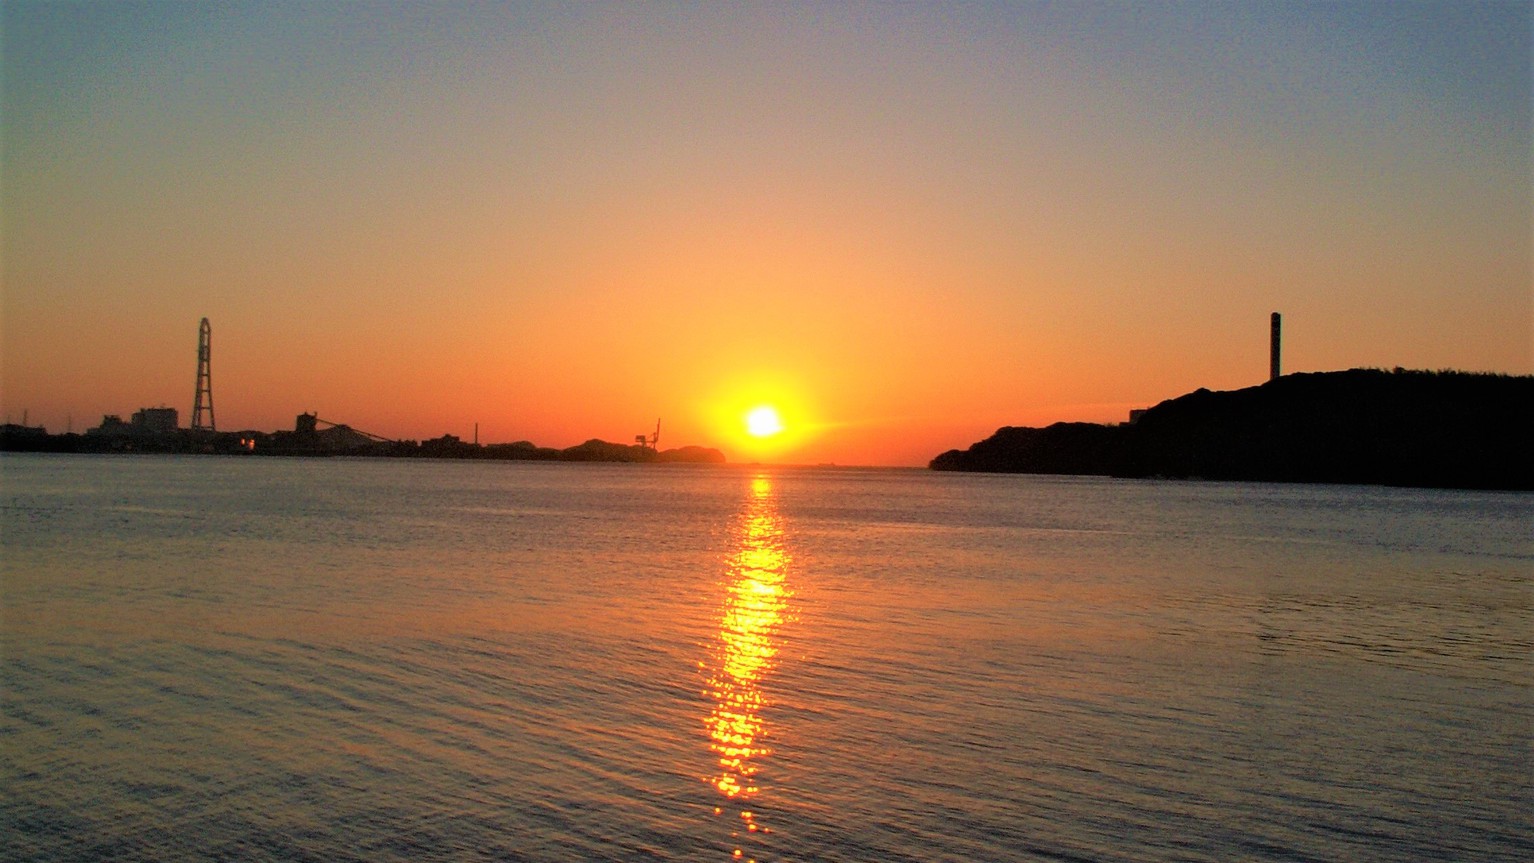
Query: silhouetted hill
{"x": 601, "y": 450}
{"x": 691, "y": 454}
{"x": 1078, "y": 448}
{"x": 1438, "y": 429}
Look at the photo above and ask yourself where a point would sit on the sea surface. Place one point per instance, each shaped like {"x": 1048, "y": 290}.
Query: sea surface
{"x": 212, "y": 658}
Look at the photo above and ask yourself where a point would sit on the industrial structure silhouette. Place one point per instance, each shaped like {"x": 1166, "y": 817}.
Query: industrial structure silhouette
{"x": 1276, "y": 324}
{"x": 202, "y": 405}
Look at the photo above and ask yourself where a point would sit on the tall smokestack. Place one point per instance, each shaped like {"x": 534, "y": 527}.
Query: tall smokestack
{"x": 1273, "y": 368}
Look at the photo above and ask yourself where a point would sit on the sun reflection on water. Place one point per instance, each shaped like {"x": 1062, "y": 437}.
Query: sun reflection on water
{"x": 744, "y": 653}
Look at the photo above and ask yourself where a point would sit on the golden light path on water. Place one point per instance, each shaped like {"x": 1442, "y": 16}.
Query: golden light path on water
{"x": 745, "y": 652}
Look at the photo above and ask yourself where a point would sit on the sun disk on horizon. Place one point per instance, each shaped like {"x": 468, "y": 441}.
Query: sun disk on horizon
{"x": 763, "y": 421}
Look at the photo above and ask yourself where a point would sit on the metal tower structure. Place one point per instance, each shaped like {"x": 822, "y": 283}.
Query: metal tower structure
{"x": 202, "y": 407}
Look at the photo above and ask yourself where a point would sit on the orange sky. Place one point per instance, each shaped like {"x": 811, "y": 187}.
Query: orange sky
{"x": 903, "y": 226}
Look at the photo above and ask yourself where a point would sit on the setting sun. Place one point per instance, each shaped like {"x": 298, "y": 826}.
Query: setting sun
{"x": 763, "y": 421}
{"x": 762, "y": 415}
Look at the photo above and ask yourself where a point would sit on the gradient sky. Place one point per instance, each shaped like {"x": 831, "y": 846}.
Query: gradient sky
{"x": 905, "y": 225}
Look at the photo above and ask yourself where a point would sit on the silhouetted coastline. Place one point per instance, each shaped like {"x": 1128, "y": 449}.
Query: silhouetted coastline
{"x": 1367, "y": 426}
{"x": 335, "y": 441}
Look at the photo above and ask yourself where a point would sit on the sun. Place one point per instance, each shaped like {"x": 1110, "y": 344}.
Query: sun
{"x": 763, "y": 422}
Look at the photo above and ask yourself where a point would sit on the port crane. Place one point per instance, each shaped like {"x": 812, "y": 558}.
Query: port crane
{"x": 651, "y": 442}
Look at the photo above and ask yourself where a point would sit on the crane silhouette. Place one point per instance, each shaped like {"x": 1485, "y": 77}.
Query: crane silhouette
{"x": 651, "y": 442}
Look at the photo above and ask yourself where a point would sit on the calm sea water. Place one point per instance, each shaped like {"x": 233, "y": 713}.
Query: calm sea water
{"x": 331, "y": 660}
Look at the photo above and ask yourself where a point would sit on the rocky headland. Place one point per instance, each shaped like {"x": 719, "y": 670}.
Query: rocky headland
{"x": 1442, "y": 429}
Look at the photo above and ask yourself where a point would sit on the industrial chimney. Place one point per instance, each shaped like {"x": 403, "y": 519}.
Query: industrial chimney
{"x": 1273, "y": 372}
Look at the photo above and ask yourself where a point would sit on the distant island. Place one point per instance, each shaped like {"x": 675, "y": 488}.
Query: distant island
{"x": 154, "y": 430}
{"x": 1444, "y": 429}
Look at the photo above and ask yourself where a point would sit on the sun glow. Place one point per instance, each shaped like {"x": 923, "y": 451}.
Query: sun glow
{"x": 763, "y": 422}
{"x": 760, "y": 417}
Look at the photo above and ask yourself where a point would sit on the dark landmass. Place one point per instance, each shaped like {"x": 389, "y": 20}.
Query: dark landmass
{"x": 337, "y": 440}
{"x": 1407, "y": 428}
